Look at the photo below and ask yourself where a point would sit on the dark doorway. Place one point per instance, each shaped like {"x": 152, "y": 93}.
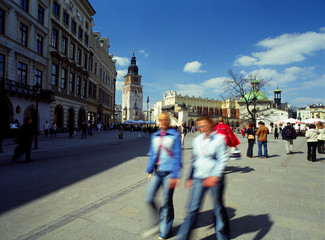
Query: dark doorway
{"x": 58, "y": 117}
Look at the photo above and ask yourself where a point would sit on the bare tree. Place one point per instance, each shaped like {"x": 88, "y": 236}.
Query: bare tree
{"x": 239, "y": 86}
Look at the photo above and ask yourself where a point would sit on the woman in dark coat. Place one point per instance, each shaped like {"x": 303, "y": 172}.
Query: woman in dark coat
{"x": 251, "y": 140}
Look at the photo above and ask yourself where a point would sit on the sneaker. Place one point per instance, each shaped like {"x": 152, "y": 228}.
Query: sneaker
{"x": 150, "y": 232}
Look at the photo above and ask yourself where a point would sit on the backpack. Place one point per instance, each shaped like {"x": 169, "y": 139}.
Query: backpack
{"x": 288, "y": 133}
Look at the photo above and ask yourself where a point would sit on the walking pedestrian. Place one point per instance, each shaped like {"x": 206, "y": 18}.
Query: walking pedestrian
{"x": 321, "y": 137}
{"x": 289, "y": 134}
{"x": 230, "y": 138}
{"x": 84, "y": 128}
{"x": 262, "y": 139}
{"x": 243, "y": 131}
{"x": 251, "y": 140}
{"x": 207, "y": 173}
{"x": 163, "y": 170}
{"x": 46, "y": 127}
{"x": 120, "y": 132}
{"x": 53, "y": 129}
{"x": 71, "y": 130}
{"x": 312, "y": 142}
{"x": 182, "y": 131}
{"x": 25, "y": 141}
{"x": 276, "y": 131}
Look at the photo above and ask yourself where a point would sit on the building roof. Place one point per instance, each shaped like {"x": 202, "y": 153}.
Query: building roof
{"x": 260, "y": 97}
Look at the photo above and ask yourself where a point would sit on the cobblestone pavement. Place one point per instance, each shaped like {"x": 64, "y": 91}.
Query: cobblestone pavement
{"x": 281, "y": 197}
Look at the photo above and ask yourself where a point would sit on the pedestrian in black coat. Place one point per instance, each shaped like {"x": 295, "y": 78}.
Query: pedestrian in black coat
{"x": 25, "y": 141}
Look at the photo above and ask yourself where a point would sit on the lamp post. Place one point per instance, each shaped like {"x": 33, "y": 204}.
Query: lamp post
{"x": 254, "y": 110}
{"x": 37, "y": 90}
{"x": 147, "y": 109}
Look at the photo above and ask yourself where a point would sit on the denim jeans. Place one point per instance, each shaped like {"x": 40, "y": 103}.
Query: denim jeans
{"x": 260, "y": 143}
{"x": 220, "y": 213}
{"x": 166, "y": 212}
{"x": 250, "y": 147}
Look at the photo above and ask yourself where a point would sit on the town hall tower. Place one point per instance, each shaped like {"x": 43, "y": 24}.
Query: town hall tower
{"x": 132, "y": 96}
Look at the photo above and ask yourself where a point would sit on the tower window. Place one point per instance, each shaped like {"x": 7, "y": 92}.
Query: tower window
{"x": 136, "y": 91}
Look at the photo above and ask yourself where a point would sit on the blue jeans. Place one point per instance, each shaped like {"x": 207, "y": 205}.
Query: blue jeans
{"x": 220, "y": 213}
{"x": 166, "y": 212}
{"x": 260, "y": 149}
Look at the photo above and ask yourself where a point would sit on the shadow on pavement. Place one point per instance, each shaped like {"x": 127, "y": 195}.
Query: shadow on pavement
{"x": 233, "y": 169}
{"x": 261, "y": 224}
{"x": 51, "y": 171}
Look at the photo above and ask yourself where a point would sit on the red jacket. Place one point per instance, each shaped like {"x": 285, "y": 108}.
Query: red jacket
{"x": 231, "y": 138}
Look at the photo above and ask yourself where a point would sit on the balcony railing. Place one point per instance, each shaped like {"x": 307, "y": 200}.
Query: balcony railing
{"x": 15, "y": 87}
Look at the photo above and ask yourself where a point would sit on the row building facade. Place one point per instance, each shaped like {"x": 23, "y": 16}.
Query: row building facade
{"x": 47, "y": 53}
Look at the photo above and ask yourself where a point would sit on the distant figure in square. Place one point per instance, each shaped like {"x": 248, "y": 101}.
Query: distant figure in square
{"x": 262, "y": 133}
{"x": 289, "y": 134}
{"x": 46, "y": 127}
{"x": 276, "y": 131}
{"x": 321, "y": 137}
{"x": 312, "y": 142}
{"x": 251, "y": 140}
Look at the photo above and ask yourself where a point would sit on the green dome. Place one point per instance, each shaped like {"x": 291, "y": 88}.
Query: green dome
{"x": 260, "y": 96}
{"x": 277, "y": 90}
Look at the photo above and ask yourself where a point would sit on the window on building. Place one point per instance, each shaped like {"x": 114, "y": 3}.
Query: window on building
{"x": 80, "y": 32}
{"x": 65, "y": 18}
{"x": 91, "y": 62}
{"x": 64, "y": 45}
{"x": 109, "y": 81}
{"x": 2, "y": 21}
{"x": 85, "y": 60}
{"x": 39, "y": 44}
{"x": 78, "y": 90}
{"x": 95, "y": 68}
{"x": 56, "y": 9}
{"x": 23, "y": 33}
{"x": 63, "y": 78}
{"x": 54, "y": 40}
{"x": 2, "y": 65}
{"x": 79, "y": 56}
{"x": 94, "y": 90}
{"x": 84, "y": 88}
{"x": 38, "y": 77}
{"x": 86, "y": 39}
{"x": 101, "y": 73}
{"x": 22, "y": 73}
{"x": 24, "y": 4}
{"x": 90, "y": 89}
{"x": 71, "y": 82}
{"x": 72, "y": 50}
{"x": 40, "y": 15}
{"x": 54, "y": 75}
{"x": 73, "y": 26}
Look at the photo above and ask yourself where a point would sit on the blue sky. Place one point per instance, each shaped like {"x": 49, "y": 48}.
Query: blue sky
{"x": 189, "y": 45}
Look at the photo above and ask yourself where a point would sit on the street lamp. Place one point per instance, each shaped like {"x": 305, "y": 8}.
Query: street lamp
{"x": 37, "y": 91}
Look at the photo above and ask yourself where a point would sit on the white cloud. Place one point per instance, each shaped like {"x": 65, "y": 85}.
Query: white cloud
{"x": 121, "y": 61}
{"x": 303, "y": 101}
{"x": 245, "y": 61}
{"x": 190, "y": 89}
{"x": 121, "y": 73}
{"x": 322, "y": 29}
{"x": 282, "y": 78}
{"x": 285, "y": 49}
{"x": 146, "y": 54}
{"x": 193, "y": 67}
{"x": 119, "y": 85}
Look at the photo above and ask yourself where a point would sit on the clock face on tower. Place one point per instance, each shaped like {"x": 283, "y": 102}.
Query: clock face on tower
{"x": 135, "y": 79}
